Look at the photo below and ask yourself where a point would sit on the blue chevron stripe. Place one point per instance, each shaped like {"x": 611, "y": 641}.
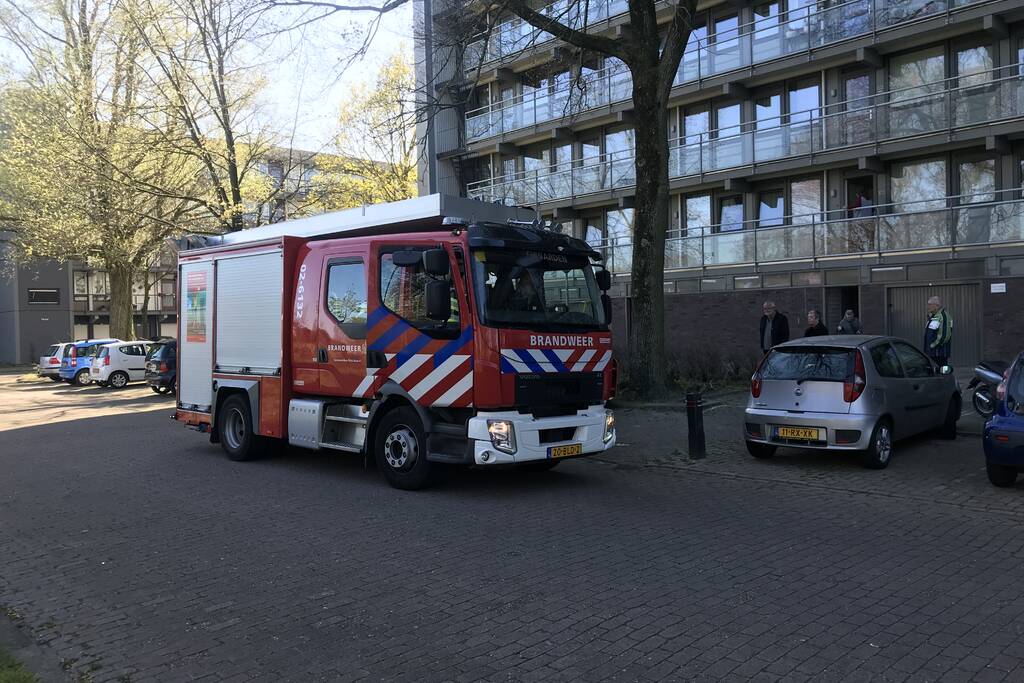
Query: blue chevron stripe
{"x": 411, "y": 349}
{"x": 376, "y": 316}
{"x": 391, "y": 335}
{"x": 506, "y": 366}
{"x": 555, "y": 360}
{"x": 531, "y": 363}
{"x": 451, "y": 347}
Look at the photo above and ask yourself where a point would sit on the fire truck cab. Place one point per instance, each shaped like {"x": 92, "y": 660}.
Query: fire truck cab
{"x": 432, "y": 330}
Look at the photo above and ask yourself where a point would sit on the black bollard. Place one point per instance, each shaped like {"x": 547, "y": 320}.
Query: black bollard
{"x": 695, "y": 425}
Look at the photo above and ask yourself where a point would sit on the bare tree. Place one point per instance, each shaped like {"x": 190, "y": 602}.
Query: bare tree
{"x": 652, "y": 54}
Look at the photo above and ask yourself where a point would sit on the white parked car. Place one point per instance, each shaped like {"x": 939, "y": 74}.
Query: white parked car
{"x": 119, "y": 363}
{"x": 49, "y": 362}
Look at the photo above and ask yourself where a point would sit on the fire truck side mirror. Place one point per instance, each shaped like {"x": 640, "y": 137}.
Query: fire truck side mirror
{"x": 439, "y": 300}
{"x": 435, "y": 262}
{"x": 604, "y": 280}
{"x": 606, "y": 303}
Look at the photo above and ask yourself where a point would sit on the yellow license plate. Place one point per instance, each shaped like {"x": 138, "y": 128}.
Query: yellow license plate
{"x": 802, "y": 433}
{"x": 565, "y": 451}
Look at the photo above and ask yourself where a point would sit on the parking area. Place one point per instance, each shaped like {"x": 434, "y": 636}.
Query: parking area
{"x": 134, "y": 551}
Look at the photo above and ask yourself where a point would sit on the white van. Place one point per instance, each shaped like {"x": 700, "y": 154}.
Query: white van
{"x": 119, "y": 363}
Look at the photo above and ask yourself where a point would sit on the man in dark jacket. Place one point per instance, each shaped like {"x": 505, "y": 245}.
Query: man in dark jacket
{"x": 815, "y": 328}
{"x": 774, "y": 327}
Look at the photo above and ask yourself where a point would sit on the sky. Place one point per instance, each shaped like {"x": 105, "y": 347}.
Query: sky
{"x": 309, "y": 77}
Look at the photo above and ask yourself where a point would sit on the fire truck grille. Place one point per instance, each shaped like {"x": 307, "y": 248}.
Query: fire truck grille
{"x": 552, "y": 394}
{"x": 557, "y": 434}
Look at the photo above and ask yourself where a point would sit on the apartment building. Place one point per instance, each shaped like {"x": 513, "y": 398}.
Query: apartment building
{"x": 862, "y": 154}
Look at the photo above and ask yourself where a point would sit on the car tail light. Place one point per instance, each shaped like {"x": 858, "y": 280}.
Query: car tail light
{"x": 106, "y": 360}
{"x": 163, "y": 367}
{"x": 1001, "y": 389}
{"x": 54, "y": 361}
{"x": 756, "y": 380}
{"x": 74, "y": 353}
{"x": 853, "y": 387}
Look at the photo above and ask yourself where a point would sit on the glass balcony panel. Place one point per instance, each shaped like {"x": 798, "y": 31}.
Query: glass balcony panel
{"x": 919, "y": 230}
{"x": 841, "y": 237}
{"x": 724, "y": 248}
{"x": 590, "y": 178}
{"x": 685, "y": 159}
{"x": 727, "y": 152}
{"x": 684, "y": 252}
{"x": 992, "y": 223}
{"x": 891, "y": 12}
{"x": 913, "y": 115}
{"x": 785, "y": 243}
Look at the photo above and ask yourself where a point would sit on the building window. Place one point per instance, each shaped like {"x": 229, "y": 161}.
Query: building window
{"x": 49, "y": 297}
{"x": 730, "y": 213}
{"x": 918, "y": 185}
{"x": 805, "y": 199}
{"x": 620, "y": 236}
{"x": 977, "y": 181}
{"x": 771, "y": 209}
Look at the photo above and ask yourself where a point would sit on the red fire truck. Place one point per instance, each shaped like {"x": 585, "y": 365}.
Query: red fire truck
{"x": 431, "y": 330}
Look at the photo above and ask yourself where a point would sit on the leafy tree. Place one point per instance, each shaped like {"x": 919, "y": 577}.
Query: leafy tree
{"x": 78, "y": 161}
{"x": 375, "y": 142}
{"x": 652, "y": 54}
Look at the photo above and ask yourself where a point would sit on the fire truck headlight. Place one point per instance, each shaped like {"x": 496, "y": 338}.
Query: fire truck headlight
{"x": 503, "y": 435}
{"x": 609, "y": 426}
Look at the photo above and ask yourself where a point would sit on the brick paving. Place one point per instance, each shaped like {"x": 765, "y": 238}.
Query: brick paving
{"x": 130, "y": 549}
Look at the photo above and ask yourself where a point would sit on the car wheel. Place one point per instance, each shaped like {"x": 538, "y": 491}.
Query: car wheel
{"x": 400, "y": 449}
{"x": 118, "y": 380}
{"x": 539, "y": 465}
{"x": 879, "y": 452}
{"x": 1001, "y": 475}
{"x": 82, "y": 378}
{"x": 234, "y": 423}
{"x": 948, "y": 429}
{"x": 761, "y": 451}
{"x": 157, "y": 390}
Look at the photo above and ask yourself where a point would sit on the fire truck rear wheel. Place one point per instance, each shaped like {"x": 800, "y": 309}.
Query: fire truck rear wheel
{"x": 400, "y": 449}
{"x": 234, "y": 422}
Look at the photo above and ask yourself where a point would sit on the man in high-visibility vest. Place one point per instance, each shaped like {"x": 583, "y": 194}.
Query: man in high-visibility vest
{"x": 938, "y": 334}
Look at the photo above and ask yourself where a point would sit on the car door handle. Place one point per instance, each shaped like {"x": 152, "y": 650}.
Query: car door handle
{"x": 321, "y": 355}
{"x": 376, "y": 359}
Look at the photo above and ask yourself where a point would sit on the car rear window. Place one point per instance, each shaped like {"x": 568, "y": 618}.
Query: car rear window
{"x": 67, "y": 350}
{"x": 103, "y": 352}
{"x": 159, "y": 352}
{"x": 1015, "y": 387}
{"x": 52, "y": 350}
{"x": 818, "y": 363}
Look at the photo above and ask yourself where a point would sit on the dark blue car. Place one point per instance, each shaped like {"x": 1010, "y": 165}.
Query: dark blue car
{"x": 1004, "y": 432}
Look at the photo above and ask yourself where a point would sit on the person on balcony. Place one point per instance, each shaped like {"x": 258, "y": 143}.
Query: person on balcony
{"x": 850, "y": 324}
{"x": 774, "y": 327}
{"x": 815, "y": 328}
{"x": 938, "y": 333}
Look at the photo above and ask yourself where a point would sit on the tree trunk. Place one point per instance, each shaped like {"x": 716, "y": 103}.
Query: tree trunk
{"x": 122, "y": 324}
{"x": 650, "y": 223}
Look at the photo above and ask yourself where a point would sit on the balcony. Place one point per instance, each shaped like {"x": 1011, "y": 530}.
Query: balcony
{"x": 943, "y": 106}
{"x": 946, "y": 223}
{"x": 798, "y": 31}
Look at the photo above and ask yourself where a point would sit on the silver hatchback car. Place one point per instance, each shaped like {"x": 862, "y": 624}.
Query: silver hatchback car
{"x": 848, "y": 393}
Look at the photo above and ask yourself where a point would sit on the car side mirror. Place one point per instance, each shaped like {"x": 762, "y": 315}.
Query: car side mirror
{"x": 946, "y": 370}
{"x": 606, "y": 304}
{"x": 604, "y": 280}
{"x": 438, "y": 300}
{"x": 435, "y": 262}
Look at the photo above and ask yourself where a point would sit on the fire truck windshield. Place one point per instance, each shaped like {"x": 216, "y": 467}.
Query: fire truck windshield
{"x": 536, "y": 290}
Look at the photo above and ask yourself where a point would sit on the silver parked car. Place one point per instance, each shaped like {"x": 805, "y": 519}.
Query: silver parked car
{"x": 848, "y": 393}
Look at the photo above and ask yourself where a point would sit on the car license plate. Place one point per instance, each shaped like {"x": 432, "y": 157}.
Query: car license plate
{"x": 565, "y": 451}
{"x": 801, "y": 433}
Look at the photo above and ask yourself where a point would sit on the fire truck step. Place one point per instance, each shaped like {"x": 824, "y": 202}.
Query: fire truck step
{"x": 339, "y": 418}
{"x": 334, "y": 446}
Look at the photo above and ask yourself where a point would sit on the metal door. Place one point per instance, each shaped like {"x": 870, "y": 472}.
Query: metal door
{"x": 908, "y": 317}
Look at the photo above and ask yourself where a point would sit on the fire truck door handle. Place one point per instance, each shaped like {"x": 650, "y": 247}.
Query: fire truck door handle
{"x": 321, "y": 355}
{"x": 376, "y": 359}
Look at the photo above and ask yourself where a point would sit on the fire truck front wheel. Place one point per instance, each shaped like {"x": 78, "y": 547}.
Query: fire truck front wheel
{"x": 400, "y": 449}
{"x": 234, "y": 422}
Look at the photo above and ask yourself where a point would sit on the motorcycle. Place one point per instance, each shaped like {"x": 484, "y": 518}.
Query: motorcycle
{"x": 987, "y": 376}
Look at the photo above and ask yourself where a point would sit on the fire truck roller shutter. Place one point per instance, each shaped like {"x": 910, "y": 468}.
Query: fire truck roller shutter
{"x": 249, "y": 318}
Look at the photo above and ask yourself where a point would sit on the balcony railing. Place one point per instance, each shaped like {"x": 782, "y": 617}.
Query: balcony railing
{"x": 981, "y": 98}
{"x": 943, "y": 223}
{"x": 760, "y": 41}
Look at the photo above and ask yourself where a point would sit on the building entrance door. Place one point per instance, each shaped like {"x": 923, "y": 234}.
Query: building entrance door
{"x": 908, "y": 317}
